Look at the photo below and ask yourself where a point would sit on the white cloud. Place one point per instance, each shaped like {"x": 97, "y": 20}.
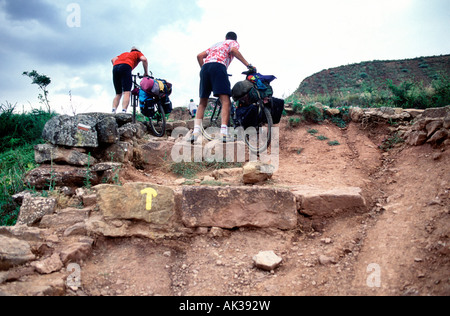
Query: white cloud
{"x": 285, "y": 38}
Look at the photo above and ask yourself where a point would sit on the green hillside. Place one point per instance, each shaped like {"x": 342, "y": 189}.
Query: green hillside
{"x": 420, "y": 82}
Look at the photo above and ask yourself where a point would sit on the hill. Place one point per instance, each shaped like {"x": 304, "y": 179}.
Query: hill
{"x": 373, "y": 75}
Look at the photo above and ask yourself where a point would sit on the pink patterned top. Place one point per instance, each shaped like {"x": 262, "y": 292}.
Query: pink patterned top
{"x": 221, "y": 53}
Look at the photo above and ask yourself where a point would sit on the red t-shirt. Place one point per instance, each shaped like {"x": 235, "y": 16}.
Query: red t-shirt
{"x": 133, "y": 59}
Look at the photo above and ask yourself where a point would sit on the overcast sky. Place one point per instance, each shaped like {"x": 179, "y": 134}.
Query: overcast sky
{"x": 73, "y": 42}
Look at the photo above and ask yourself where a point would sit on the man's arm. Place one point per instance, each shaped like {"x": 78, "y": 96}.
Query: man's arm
{"x": 114, "y": 60}
{"x": 236, "y": 53}
{"x": 145, "y": 64}
{"x": 201, "y": 58}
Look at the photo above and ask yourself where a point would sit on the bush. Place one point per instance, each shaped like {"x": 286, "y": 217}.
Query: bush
{"x": 313, "y": 114}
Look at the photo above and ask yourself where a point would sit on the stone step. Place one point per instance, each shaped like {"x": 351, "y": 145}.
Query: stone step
{"x": 316, "y": 201}
{"x": 187, "y": 208}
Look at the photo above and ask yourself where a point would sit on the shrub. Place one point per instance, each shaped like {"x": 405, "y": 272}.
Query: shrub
{"x": 313, "y": 114}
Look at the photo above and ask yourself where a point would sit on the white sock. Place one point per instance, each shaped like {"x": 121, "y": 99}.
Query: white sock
{"x": 197, "y": 125}
{"x": 224, "y": 129}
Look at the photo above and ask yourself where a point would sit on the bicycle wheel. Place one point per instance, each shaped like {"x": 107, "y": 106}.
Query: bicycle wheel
{"x": 258, "y": 138}
{"x": 158, "y": 121}
{"x": 213, "y": 131}
{"x": 216, "y": 120}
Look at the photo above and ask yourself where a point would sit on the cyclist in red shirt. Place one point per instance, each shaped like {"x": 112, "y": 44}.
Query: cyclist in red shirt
{"x": 122, "y": 78}
{"x": 214, "y": 78}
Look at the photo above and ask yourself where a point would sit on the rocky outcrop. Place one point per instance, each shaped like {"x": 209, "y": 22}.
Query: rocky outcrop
{"x": 431, "y": 126}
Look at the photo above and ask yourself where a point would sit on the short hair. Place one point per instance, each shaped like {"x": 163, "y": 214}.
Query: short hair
{"x": 231, "y": 36}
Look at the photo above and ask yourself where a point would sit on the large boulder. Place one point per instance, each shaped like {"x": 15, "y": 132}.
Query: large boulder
{"x": 71, "y": 131}
{"x": 84, "y": 130}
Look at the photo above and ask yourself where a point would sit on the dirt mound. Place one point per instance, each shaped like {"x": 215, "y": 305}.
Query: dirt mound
{"x": 398, "y": 245}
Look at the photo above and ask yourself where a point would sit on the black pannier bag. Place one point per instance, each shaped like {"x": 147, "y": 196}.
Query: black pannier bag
{"x": 148, "y": 107}
{"x": 168, "y": 107}
{"x": 247, "y": 116}
{"x": 277, "y": 110}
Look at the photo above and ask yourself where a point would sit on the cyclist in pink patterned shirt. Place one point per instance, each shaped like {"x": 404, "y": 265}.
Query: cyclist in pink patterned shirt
{"x": 214, "y": 78}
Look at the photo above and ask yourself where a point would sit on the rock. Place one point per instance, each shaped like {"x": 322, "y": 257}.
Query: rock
{"x": 416, "y": 138}
{"x": 256, "y": 172}
{"x": 324, "y": 260}
{"x": 59, "y": 175}
{"x": 436, "y": 112}
{"x": 47, "y": 153}
{"x": 433, "y": 127}
{"x": 75, "y": 252}
{"x": 267, "y": 260}
{"x": 153, "y": 154}
{"x": 228, "y": 175}
{"x": 180, "y": 114}
{"x": 130, "y": 131}
{"x": 314, "y": 201}
{"x": 332, "y": 111}
{"x": 14, "y": 252}
{"x": 22, "y": 232}
{"x": 108, "y": 130}
{"x": 439, "y": 137}
{"x": 231, "y": 207}
{"x": 76, "y": 229}
{"x": 71, "y": 131}
{"x": 34, "y": 208}
{"x": 356, "y": 114}
{"x": 147, "y": 202}
{"x": 65, "y": 218}
{"x": 49, "y": 265}
{"x": 119, "y": 152}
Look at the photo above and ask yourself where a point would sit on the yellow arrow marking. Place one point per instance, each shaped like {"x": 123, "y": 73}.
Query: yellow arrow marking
{"x": 151, "y": 193}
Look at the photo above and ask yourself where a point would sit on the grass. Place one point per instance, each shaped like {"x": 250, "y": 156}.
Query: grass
{"x": 189, "y": 170}
{"x": 19, "y": 134}
{"x": 407, "y": 94}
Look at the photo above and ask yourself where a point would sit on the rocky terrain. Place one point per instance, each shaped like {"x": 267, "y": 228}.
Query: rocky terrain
{"x": 360, "y": 210}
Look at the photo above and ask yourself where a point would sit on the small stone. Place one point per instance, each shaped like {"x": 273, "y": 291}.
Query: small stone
{"x": 324, "y": 260}
{"x": 267, "y": 260}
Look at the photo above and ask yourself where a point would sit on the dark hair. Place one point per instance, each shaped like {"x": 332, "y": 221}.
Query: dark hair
{"x": 231, "y": 36}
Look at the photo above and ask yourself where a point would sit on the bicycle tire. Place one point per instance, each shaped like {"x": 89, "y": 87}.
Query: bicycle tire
{"x": 158, "y": 122}
{"x": 261, "y": 142}
{"x": 216, "y": 114}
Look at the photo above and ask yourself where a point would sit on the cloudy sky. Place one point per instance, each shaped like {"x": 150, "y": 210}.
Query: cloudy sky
{"x": 73, "y": 42}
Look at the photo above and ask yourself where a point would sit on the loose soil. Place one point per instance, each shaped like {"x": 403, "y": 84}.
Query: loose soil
{"x": 399, "y": 246}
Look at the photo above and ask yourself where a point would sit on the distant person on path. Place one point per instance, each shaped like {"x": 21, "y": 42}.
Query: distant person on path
{"x": 192, "y": 108}
{"x": 124, "y": 64}
{"x": 214, "y": 63}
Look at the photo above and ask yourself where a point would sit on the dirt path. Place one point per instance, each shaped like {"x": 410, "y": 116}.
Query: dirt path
{"x": 399, "y": 247}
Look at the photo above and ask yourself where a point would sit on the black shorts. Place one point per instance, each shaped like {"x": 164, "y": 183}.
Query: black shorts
{"x": 122, "y": 78}
{"x": 214, "y": 78}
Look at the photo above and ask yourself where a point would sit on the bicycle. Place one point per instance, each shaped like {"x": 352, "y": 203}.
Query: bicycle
{"x": 152, "y": 109}
{"x": 258, "y": 136}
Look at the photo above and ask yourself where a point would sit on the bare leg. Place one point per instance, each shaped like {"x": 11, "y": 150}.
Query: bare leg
{"x": 126, "y": 100}
{"x": 116, "y": 101}
{"x": 226, "y": 107}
